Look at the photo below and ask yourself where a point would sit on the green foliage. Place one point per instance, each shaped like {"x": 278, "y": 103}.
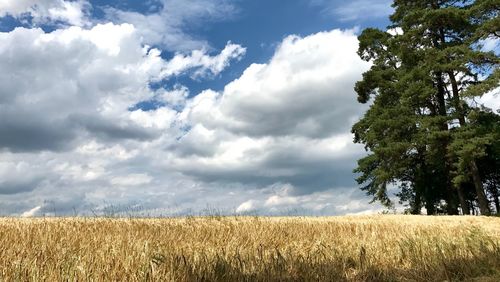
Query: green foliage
{"x": 423, "y": 133}
{"x": 472, "y": 141}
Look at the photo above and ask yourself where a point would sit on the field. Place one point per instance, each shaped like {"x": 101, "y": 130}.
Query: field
{"x": 367, "y": 248}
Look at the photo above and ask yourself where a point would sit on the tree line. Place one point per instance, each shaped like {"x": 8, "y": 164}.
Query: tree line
{"x": 426, "y": 134}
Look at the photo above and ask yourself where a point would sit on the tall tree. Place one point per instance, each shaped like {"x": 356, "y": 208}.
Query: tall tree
{"x": 420, "y": 128}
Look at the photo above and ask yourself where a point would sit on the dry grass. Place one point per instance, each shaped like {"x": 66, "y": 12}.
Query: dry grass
{"x": 377, "y": 248}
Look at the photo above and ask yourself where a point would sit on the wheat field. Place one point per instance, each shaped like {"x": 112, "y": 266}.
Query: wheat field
{"x": 365, "y": 248}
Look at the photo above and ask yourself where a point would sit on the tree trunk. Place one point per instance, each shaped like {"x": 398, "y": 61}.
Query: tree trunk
{"x": 461, "y": 119}
{"x": 451, "y": 201}
{"x": 417, "y": 205}
{"x": 463, "y": 201}
{"x": 494, "y": 193}
{"x": 431, "y": 210}
{"x": 478, "y": 184}
{"x": 456, "y": 99}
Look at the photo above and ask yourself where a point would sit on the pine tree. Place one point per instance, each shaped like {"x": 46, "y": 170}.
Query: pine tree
{"x": 420, "y": 128}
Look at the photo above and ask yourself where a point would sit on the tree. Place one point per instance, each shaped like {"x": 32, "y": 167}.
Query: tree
{"x": 420, "y": 129}
{"x": 489, "y": 165}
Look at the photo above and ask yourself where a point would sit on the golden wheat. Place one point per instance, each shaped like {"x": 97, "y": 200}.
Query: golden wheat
{"x": 374, "y": 248}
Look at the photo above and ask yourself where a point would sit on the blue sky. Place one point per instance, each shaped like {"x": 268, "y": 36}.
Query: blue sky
{"x": 172, "y": 106}
{"x": 258, "y": 25}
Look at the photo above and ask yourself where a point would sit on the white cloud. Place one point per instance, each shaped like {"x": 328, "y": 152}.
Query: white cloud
{"x": 356, "y": 10}
{"x": 276, "y": 138}
{"x": 367, "y": 212}
{"x": 276, "y": 200}
{"x": 395, "y": 31}
{"x": 203, "y": 64}
{"x": 491, "y": 44}
{"x": 19, "y": 176}
{"x": 134, "y": 179}
{"x": 161, "y": 118}
{"x": 32, "y": 212}
{"x": 175, "y": 97}
{"x": 166, "y": 27}
{"x": 491, "y": 100}
{"x": 83, "y": 81}
{"x": 286, "y": 121}
{"x": 333, "y": 201}
{"x": 306, "y": 85}
{"x": 245, "y": 207}
{"x": 68, "y": 81}
{"x": 44, "y": 11}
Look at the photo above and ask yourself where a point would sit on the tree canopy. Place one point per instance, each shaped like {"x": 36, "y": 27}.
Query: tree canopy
{"x": 424, "y": 131}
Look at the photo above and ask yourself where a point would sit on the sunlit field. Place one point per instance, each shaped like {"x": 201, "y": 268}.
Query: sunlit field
{"x": 368, "y": 248}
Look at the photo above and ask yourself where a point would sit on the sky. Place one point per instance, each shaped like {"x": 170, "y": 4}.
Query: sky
{"x": 176, "y": 107}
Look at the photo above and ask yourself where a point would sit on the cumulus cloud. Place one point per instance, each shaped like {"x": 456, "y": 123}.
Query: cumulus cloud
{"x": 68, "y": 81}
{"x": 284, "y": 121}
{"x": 277, "y": 200}
{"x": 203, "y": 64}
{"x": 19, "y": 177}
{"x": 45, "y": 11}
{"x": 76, "y": 138}
{"x": 305, "y": 90}
{"x": 277, "y": 138}
{"x": 76, "y": 83}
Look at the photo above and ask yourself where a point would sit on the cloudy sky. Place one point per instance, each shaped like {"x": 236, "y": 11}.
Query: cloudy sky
{"x": 181, "y": 107}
